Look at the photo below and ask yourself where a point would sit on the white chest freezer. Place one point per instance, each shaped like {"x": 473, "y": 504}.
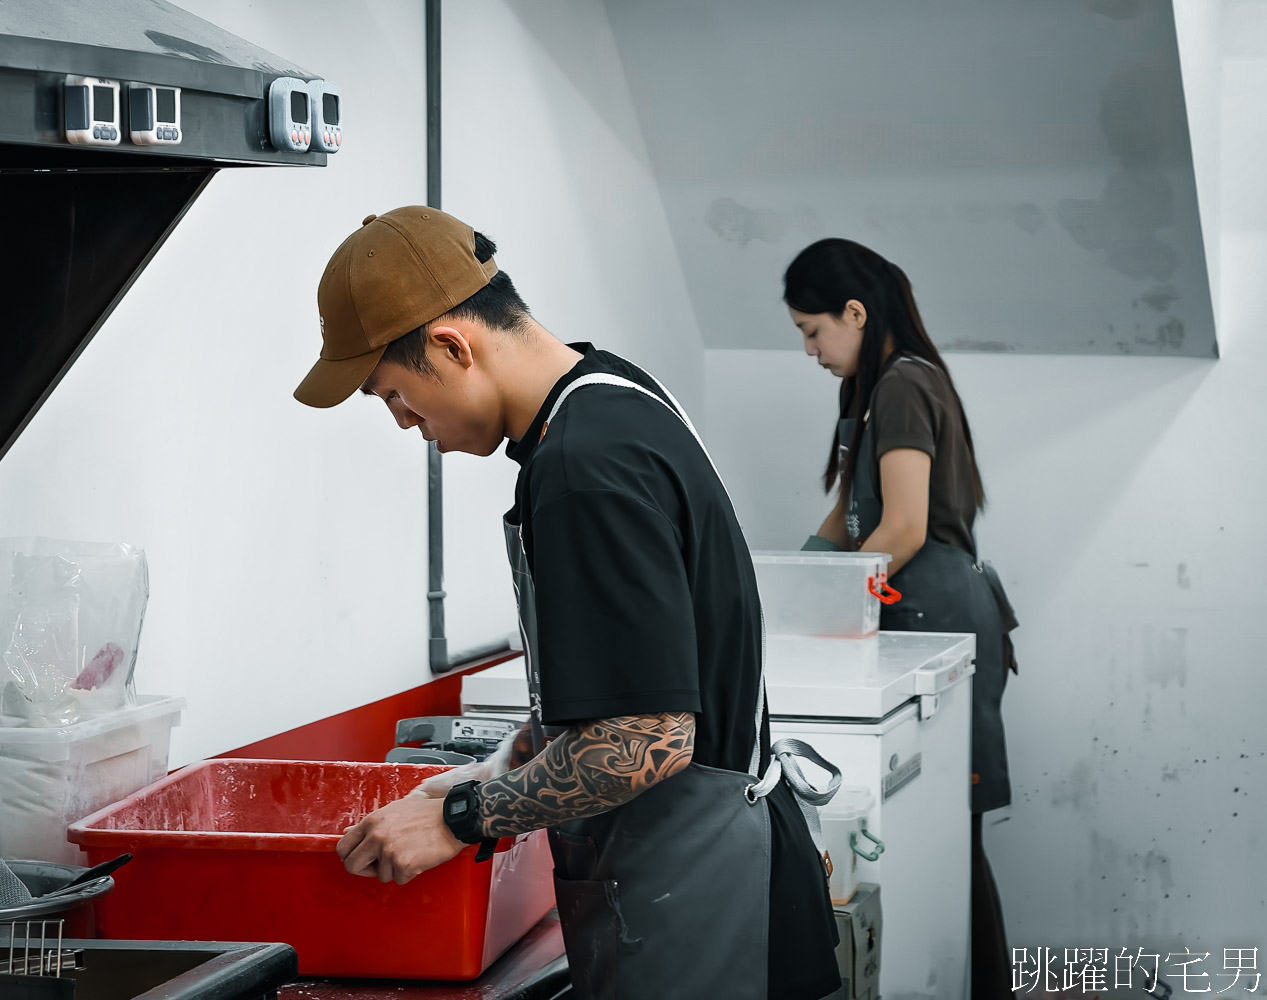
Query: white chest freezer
{"x": 895, "y": 716}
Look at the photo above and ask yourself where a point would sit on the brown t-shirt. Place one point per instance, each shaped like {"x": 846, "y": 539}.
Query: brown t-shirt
{"x": 914, "y": 406}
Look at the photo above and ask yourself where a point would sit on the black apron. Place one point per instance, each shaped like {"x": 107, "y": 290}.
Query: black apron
{"x": 945, "y": 589}
{"x": 667, "y": 896}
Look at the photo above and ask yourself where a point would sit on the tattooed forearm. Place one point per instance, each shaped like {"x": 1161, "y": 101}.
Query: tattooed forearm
{"x": 589, "y": 769}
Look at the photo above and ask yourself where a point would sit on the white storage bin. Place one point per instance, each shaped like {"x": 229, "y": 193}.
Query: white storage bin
{"x": 829, "y": 594}
{"x": 845, "y": 837}
{"x": 49, "y": 778}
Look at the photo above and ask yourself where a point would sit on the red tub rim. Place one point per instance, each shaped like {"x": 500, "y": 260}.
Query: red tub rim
{"x": 86, "y": 833}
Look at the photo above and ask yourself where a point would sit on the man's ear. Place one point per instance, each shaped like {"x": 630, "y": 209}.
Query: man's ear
{"x": 453, "y": 343}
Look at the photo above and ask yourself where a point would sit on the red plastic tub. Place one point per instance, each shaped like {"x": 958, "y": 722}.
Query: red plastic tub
{"x": 243, "y": 850}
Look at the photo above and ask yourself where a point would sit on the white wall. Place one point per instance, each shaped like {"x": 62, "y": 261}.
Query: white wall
{"x": 287, "y": 546}
{"x": 543, "y": 153}
{"x": 1126, "y": 518}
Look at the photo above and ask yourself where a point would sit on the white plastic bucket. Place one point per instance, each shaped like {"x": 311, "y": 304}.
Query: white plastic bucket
{"x": 51, "y": 777}
{"x": 844, "y": 819}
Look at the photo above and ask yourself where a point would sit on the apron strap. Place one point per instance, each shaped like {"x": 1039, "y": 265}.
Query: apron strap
{"x": 671, "y": 403}
{"x": 602, "y": 378}
{"x": 786, "y": 751}
{"x": 783, "y": 767}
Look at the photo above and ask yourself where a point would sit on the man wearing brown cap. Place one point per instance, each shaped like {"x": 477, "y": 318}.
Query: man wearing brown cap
{"x": 677, "y": 872}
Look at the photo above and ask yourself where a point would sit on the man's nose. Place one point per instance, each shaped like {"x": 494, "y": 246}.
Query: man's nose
{"x": 405, "y": 417}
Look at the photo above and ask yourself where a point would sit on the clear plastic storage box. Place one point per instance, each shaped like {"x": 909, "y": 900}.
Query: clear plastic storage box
{"x": 830, "y": 594}
{"x": 49, "y": 778}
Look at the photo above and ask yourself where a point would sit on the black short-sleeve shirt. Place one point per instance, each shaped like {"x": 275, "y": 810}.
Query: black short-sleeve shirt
{"x": 647, "y": 602}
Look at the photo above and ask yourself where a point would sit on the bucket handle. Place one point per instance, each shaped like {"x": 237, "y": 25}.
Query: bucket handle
{"x": 853, "y": 843}
{"x": 884, "y": 593}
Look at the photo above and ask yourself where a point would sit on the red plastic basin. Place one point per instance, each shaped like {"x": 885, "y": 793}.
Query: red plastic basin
{"x": 243, "y": 850}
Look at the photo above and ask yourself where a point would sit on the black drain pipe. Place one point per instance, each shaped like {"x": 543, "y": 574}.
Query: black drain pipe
{"x": 438, "y": 646}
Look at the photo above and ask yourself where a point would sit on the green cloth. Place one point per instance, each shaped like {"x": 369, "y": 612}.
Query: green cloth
{"x": 817, "y": 543}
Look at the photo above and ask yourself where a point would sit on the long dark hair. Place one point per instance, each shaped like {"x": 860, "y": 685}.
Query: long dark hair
{"x": 823, "y": 278}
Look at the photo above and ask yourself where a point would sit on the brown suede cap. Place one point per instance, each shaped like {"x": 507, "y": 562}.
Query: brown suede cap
{"x": 397, "y": 272}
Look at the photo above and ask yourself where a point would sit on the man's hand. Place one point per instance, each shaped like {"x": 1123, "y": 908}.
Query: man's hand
{"x": 399, "y": 841}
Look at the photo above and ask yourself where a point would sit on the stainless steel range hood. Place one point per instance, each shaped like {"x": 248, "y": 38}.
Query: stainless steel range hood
{"x": 81, "y": 222}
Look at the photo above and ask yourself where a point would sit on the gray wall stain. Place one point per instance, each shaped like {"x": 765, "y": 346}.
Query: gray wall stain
{"x": 1170, "y": 336}
{"x": 1078, "y": 789}
{"x": 1185, "y": 581}
{"x": 1156, "y": 868}
{"x": 1105, "y": 872}
{"x": 1160, "y": 298}
{"x": 1122, "y": 222}
{"x": 1029, "y": 217}
{"x": 1165, "y": 656}
{"x": 1171, "y": 333}
{"x": 1138, "y": 197}
{"x": 1170, "y": 774}
{"x": 736, "y": 223}
{"x": 985, "y": 346}
{"x": 1126, "y": 885}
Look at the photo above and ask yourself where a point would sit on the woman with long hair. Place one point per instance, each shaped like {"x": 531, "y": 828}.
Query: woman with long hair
{"x": 904, "y": 473}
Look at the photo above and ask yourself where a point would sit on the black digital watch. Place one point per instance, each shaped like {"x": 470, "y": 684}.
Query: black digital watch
{"x": 462, "y": 817}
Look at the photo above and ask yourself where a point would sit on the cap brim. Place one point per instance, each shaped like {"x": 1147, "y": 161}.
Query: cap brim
{"x": 331, "y": 382}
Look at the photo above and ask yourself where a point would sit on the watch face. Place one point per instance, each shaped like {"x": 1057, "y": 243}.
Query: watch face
{"x": 461, "y": 812}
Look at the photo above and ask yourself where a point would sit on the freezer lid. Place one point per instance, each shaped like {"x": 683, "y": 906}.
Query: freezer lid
{"x": 809, "y": 677}
{"x": 805, "y": 677}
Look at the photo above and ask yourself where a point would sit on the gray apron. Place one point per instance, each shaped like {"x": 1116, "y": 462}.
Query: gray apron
{"x": 667, "y": 896}
{"x": 945, "y": 589}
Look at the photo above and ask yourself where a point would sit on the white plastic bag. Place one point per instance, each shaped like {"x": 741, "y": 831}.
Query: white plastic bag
{"x": 70, "y": 623}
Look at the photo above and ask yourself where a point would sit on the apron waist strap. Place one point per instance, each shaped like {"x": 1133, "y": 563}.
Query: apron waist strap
{"x": 783, "y": 767}
{"x": 786, "y": 752}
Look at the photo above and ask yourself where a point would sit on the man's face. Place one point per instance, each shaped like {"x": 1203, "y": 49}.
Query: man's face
{"x": 456, "y": 408}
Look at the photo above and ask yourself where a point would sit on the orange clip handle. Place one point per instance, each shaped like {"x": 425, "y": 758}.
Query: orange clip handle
{"x": 885, "y": 594}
